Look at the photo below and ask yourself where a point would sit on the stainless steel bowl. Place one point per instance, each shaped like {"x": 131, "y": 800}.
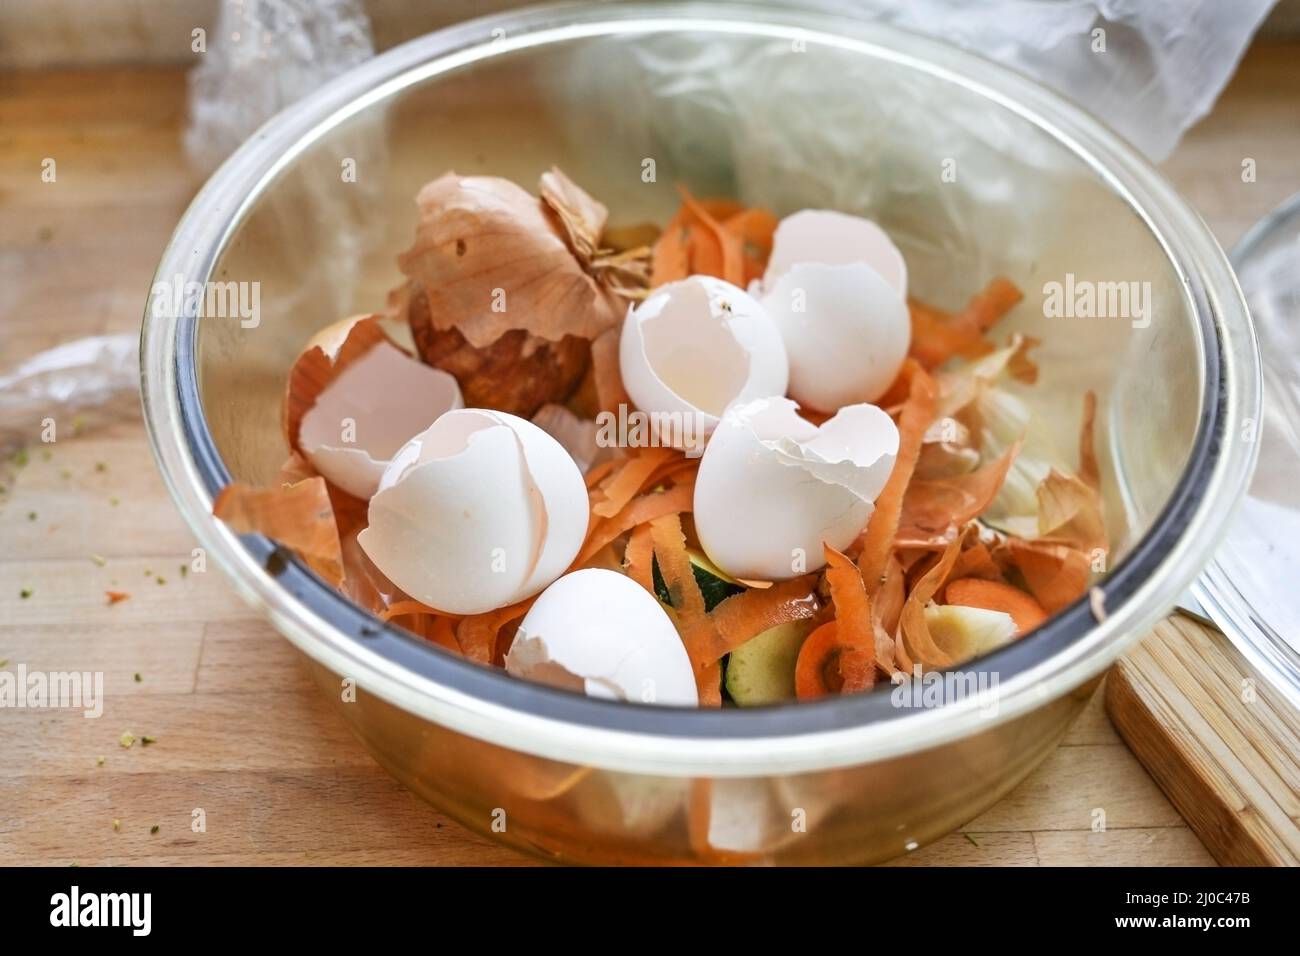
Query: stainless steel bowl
{"x": 869, "y": 121}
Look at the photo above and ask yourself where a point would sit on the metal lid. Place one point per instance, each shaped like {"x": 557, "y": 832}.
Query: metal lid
{"x": 1252, "y": 588}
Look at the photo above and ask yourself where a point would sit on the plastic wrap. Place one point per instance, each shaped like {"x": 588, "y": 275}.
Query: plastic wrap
{"x": 262, "y": 56}
{"x": 75, "y": 386}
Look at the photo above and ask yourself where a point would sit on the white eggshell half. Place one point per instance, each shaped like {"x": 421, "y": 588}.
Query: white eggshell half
{"x": 834, "y": 239}
{"x": 846, "y": 332}
{"x": 599, "y": 632}
{"x": 383, "y": 399}
{"x": 772, "y": 487}
{"x": 480, "y": 510}
{"x": 695, "y": 346}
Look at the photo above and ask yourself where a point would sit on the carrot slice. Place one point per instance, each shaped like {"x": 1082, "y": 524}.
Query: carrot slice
{"x": 693, "y": 623}
{"x": 1056, "y": 574}
{"x": 670, "y": 257}
{"x": 629, "y": 478}
{"x": 443, "y": 633}
{"x": 477, "y": 634}
{"x": 816, "y": 671}
{"x": 935, "y": 337}
{"x": 857, "y": 633}
{"x": 743, "y": 616}
{"x": 598, "y": 473}
{"x": 997, "y": 596}
{"x": 938, "y": 336}
{"x": 715, "y": 237}
{"x": 728, "y": 265}
{"x": 638, "y": 558}
{"x": 640, "y": 510}
{"x": 989, "y": 305}
{"x": 754, "y": 228}
{"x": 918, "y": 412}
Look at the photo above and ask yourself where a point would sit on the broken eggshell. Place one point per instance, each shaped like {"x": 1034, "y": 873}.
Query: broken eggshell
{"x": 772, "y": 487}
{"x": 479, "y": 511}
{"x": 834, "y": 239}
{"x": 368, "y": 411}
{"x": 600, "y": 633}
{"x": 694, "y": 347}
{"x": 836, "y": 286}
{"x": 846, "y": 331}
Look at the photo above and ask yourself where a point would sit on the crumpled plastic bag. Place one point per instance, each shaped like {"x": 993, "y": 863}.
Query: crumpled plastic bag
{"x": 79, "y": 385}
{"x": 1156, "y": 67}
{"x": 262, "y": 56}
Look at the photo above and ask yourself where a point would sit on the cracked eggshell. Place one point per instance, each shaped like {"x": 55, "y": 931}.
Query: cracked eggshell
{"x": 694, "y": 347}
{"x": 846, "y": 331}
{"x": 772, "y": 487}
{"x": 388, "y": 397}
{"x": 480, "y": 510}
{"x": 834, "y": 239}
{"x": 600, "y": 633}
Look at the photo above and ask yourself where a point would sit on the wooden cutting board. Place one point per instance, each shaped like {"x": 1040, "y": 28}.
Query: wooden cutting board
{"x": 1221, "y": 743}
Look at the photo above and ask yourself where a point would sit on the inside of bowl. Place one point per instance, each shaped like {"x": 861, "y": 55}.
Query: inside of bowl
{"x": 967, "y": 187}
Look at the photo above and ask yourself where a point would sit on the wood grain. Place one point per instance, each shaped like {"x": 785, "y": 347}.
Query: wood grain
{"x": 1221, "y": 743}
{"x": 239, "y": 730}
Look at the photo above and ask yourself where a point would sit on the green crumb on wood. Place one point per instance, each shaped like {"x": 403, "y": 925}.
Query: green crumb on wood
{"x": 99, "y": 761}
{"x": 154, "y": 828}
{"x": 138, "y": 678}
{"x": 160, "y": 579}
{"x": 25, "y": 593}
{"x": 127, "y": 739}
{"x": 101, "y": 467}
{"x": 117, "y": 826}
{"x": 99, "y": 559}
{"x": 31, "y": 516}
{"x": 971, "y": 839}
{"x": 20, "y": 458}
{"x": 146, "y": 740}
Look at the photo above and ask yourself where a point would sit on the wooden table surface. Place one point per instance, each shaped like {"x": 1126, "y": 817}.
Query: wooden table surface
{"x": 238, "y": 730}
